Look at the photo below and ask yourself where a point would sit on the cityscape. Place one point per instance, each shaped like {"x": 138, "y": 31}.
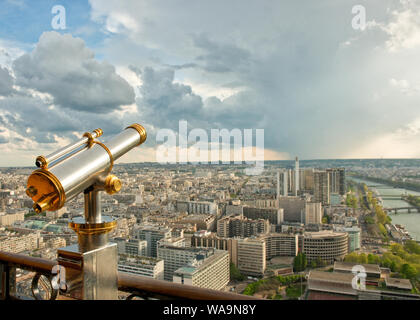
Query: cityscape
{"x": 294, "y": 232}
{"x": 197, "y": 158}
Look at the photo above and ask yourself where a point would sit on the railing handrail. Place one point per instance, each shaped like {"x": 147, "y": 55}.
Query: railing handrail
{"x": 131, "y": 283}
{"x": 176, "y": 290}
{"x": 27, "y": 262}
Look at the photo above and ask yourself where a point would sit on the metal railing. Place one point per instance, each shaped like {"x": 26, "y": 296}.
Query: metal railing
{"x": 134, "y": 286}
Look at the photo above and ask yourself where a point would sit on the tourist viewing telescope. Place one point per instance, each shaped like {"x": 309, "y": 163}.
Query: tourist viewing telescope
{"x": 85, "y": 166}
{"x": 71, "y": 170}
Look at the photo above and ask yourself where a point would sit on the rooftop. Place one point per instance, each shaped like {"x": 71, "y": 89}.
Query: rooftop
{"x": 334, "y": 277}
{"x": 404, "y": 284}
{"x": 348, "y": 266}
{"x": 323, "y": 234}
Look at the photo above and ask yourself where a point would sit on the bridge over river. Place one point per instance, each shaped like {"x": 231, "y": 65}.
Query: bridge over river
{"x": 406, "y": 209}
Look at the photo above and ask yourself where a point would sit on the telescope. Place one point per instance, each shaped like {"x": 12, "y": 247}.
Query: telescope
{"x": 85, "y": 166}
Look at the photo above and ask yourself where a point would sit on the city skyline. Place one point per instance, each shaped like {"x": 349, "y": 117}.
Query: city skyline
{"x": 317, "y": 86}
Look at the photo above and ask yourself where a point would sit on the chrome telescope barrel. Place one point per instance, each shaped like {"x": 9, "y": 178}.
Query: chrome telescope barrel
{"x": 51, "y": 188}
{"x": 60, "y": 155}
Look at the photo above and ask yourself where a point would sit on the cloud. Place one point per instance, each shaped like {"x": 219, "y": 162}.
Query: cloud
{"x": 404, "y": 28}
{"x": 163, "y": 102}
{"x": 65, "y": 68}
{"x": 6, "y": 82}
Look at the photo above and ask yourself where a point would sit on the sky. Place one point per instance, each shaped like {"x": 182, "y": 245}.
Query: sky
{"x": 303, "y": 71}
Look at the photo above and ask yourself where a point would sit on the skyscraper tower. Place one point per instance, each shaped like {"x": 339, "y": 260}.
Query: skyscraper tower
{"x": 296, "y": 175}
{"x": 278, "y": 185}
{"x": 285, "y": 183}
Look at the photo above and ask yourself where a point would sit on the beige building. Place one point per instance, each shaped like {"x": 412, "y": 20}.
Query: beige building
{"x": 16, "y": 244}
{"x": 326, "y": 245}
{"x": 202, "y": 221}
{"x": 177, "y": 257}
{"x": 211, "y": 240}
{"x": 251, "y": 255}
{"x": 141, "y": 266}
{"x": 11, "y": 218}
{"x": 313, "y": 213}
{"x": 210, "y": 273}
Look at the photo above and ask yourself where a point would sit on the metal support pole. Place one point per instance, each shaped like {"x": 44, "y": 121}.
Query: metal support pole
{"x": 7, "y": 281}
{"x": 93, "y": 213}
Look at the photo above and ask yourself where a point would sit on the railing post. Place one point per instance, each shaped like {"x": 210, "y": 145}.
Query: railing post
{"x": 7, "y": 281}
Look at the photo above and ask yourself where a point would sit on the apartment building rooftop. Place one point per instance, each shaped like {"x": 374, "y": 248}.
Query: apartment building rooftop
{"x": 373, "y": 269}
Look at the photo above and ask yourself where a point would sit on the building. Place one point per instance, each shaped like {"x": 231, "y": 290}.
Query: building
{"x": 200, "y": 207}
{"x": 152, "y": 234}
{"x": 201, "y": 221}
{"x": 354, "y": 237}
{"x": 173, "y": 241}
{"x": 337, "y": 178}
{"x": 56, "y": 214}
{"x": 131, "y": 246}
{"x": 10, "y": 218}
{"x": 306, "y": 182}
{"x": 313, "y": 213}
{"x": 398, "y": 284}
{"x": 321, "y": 187}
{"x": 177, "y": 257}
{"x": 327, "y": 246}
{"x": 273, "y": 215}
{"x": 282, "y": 184}
{"x": 296, "y": 176}
{"x": 251, "y": 256}
{"x": 16, "y": 244}
{"x": 212, "y": 272}
{"x": 331, "y": 283}
{"x": 293, "y": 208}
{"x": 141, "y": 266}
{"x": 238, "y": 226}
{"x": 233, "y": 210}
{"x": 211, "y": 240}
{"x": 281, "y": 244}
{"x": 373, "y": 271}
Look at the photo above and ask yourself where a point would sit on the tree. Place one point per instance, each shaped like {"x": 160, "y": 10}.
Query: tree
{"x": 235, "y": 274}
{"x": 408, "y": 271}
{"x": 363, "y": 258}
{"x": 300, "y": 262}
{"x": 412, "y": 246}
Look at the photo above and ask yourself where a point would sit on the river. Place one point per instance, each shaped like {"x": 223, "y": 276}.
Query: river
{"x": 411, "y": 221}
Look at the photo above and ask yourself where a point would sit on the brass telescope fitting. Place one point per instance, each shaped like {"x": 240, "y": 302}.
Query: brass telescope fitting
{"x": 112, "y": 184}
{"x": 140, "y": 129}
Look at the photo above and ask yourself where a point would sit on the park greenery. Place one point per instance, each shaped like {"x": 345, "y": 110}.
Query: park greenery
{"x": 351, "y": 200}
{"x": 378, "y": 215}
{"x": 300, "y": 262}
{"x": 272, "y": 283}
{"x": 403, "y": 260}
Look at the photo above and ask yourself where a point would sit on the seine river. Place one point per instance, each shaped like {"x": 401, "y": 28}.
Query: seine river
{"x": 411, "y": 221}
